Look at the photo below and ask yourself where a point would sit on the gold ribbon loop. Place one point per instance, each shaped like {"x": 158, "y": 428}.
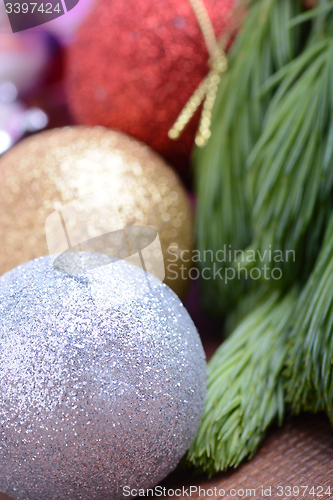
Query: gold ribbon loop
{"x": 207, "y": 89}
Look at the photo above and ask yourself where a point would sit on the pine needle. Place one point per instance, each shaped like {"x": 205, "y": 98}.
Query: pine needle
{"x": 245, "y": 388}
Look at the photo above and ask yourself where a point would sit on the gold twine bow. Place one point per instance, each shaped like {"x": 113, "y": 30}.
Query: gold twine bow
{"x": 207, "y": 90}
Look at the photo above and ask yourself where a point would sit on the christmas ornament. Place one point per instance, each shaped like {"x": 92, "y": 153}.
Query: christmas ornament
{"x": 107, "y": 175}
{"x": 244, "y": 387}
{"x": 146, "y": 61}
{"x": 224, "y": 208}
{"x": 102, "y": 380}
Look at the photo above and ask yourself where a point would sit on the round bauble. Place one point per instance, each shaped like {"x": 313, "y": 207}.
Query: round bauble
{"x": 102, "y": 380}
{"x": 135, "y": 64}
{"x": 65, "y": 187}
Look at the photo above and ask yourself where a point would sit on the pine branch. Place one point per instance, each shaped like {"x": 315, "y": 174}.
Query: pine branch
{"x": 245, "y": 388}
{"x": 290, "y": 174}
{"x": 223, "y": 213}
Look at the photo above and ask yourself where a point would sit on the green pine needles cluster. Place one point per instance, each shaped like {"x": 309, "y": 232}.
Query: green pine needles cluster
{"x": 224, "y": 213}
{"x": 290, "y": 168}
{"x": 245, "y": 388}
{"x": 265, "y": 180}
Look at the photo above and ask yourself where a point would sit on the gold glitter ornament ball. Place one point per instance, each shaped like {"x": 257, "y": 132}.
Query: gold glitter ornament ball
{"x": 63, "y": 188}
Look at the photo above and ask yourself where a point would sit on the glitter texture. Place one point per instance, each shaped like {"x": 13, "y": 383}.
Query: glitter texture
{"x": 102, "y": 384}
{"x": 51, "y": 169}
{"x": 136, "y": 63}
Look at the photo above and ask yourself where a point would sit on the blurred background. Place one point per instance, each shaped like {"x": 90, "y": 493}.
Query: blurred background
{"x": 32, "y": 95}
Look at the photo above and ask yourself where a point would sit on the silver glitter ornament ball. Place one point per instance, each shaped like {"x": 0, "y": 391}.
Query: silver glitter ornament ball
{"x": 102, "y": 380}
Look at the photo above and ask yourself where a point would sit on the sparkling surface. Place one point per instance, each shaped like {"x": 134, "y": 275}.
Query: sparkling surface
{"x": 51, "y": 169}
{"x": 102, "y": 384}
{"x": 136, "y": 63}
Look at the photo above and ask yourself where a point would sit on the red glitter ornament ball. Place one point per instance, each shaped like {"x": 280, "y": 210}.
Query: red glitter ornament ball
{"x": 136, "y": 63}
